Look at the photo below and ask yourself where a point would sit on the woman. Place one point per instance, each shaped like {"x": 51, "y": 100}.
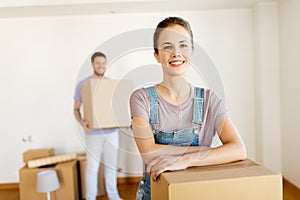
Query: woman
{"x": 174, "y": 122}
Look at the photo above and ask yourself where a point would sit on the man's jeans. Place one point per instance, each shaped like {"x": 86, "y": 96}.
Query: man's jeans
{"x": 106, "y": 145}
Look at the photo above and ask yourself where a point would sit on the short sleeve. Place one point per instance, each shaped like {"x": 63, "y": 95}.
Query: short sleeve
{"x": 220, "y": 110}
{"x": 139, "y": 104}
{"x": 78, "y": 95}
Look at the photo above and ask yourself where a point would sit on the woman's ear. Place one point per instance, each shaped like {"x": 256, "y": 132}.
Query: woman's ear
{"x": 156, "y": 57}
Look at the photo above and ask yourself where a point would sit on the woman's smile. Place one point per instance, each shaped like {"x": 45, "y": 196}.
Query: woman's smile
{"x": 176, "y": 63}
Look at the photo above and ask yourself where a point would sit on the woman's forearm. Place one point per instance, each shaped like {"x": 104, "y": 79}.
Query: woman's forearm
{"x": 223, "y": 154}
{"x": 157, "y": 150}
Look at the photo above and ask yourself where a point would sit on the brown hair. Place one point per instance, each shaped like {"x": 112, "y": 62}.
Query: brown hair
{"x": 97, "y": 54}
{"x": 167, "y": 22}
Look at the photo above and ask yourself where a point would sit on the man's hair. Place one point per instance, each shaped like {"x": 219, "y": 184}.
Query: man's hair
{"x": 96, "y": 54}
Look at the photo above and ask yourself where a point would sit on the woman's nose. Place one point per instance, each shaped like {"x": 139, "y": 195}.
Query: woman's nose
{"x": 176, "y": 53}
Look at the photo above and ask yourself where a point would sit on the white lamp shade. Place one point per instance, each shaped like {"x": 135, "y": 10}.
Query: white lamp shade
{"x": 47, "y": 181}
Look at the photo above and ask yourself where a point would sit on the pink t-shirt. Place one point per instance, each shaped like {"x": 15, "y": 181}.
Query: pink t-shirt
{"x": 174, "y": 118}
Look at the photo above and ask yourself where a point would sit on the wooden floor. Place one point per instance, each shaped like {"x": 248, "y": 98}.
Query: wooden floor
{"x": 127, "y": 191}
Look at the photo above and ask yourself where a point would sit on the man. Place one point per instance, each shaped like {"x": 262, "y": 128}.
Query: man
{"x": 98, "y": 141}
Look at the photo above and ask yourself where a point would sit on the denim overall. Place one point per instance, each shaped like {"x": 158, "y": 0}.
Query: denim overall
{"x": 183, "y": 137}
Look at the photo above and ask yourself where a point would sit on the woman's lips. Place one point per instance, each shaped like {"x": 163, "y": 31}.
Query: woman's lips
{"x": 176, "y": 63}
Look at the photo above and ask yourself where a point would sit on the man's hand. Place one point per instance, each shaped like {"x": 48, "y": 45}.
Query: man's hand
{"x": 85, "y": 126}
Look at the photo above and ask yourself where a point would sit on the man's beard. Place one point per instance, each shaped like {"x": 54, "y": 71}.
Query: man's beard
{"x": 98, "y": 74}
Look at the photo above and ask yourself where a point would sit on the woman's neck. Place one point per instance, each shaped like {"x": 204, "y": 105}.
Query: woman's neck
{"x": 176, "y": 90}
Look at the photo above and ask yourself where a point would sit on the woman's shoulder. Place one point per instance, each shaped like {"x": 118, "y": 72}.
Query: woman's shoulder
{"x": 209, "y": 94}
{"x": 140, "y": 94}
{"x": 143, "y": 91}
{"x": 206, "y": 90}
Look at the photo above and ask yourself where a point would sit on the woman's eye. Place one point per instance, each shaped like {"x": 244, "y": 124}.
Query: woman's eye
{"x": 167, "y": 48}
{"x": 183, "y": 45}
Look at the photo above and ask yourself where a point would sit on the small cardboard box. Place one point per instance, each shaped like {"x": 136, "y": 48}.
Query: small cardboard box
{"x": 33, "y": 154}
{"x": 101, "y": 190}
{"x": 68, "y": 178}
{"x": 106, "y": 103}
{"x": 243, "y": 180}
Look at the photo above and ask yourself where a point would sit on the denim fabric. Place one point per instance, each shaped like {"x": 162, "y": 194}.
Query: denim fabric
{"x": 144, "y": 191}
{"x": 184, "y": 137}
{"x": 153, "y": 106}
{"x": 198, "y": 106}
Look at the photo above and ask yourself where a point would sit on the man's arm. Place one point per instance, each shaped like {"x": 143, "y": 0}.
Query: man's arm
{"x": 77, "y": 115}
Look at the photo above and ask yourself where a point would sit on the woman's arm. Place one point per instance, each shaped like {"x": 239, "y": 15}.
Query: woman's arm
{"x": 233, "y": 149}
{"x": 149, "y": 150}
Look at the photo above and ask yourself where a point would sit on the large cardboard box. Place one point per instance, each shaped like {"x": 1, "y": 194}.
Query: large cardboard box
{"x": 68, "y": 179}
{"x": 101, "y": 190}
{"x": 243, "y": 180}
{"x": 33, "y": 154}
{"x": 106, "y": 103}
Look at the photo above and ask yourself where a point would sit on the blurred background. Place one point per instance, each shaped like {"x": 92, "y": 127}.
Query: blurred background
{"x": 46, "y": 45}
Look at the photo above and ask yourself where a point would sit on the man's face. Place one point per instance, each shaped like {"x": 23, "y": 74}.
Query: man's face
{"x": 99, "y": 65}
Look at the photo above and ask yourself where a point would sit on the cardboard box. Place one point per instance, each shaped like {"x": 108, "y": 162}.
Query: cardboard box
{"x": 33, "y": 154}
{"x": 106, "y": 103}
{"x": 101, "y": 190}
{"x": 68, "y": 179}
{"x": 243, "y": 180}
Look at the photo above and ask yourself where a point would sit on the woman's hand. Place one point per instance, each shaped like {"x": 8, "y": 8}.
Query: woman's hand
{"x": 166, "y": 163}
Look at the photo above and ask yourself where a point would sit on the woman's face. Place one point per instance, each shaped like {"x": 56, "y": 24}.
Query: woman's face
{"x": 174, "y": 50}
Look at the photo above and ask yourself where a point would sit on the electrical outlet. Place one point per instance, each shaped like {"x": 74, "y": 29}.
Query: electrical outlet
{"x": 27, "y": 139}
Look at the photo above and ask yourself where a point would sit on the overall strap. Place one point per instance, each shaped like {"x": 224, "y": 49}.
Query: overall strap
{"x": 153, "y": 119}
{"x": 198, "y": 106}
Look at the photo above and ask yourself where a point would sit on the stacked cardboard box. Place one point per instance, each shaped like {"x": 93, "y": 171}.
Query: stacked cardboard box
{"x": 67, "y": 175}
{"x": 243, "y": 180}
{"x": 71, "y": 176}
{"x": 33, "y": 154}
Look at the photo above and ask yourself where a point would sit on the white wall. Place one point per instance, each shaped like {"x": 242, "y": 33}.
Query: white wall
{"x": 267, "y": 84}
{"x": 289, "y": 71}
{"x": 42, "y": 56}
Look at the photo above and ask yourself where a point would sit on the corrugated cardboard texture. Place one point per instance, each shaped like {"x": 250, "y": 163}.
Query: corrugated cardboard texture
{"x": 101, "y": 190}
{"x": 244, "y": 180}
{"x": 87, "y": 102}
{"x": 51, "y": 160}
{"x": 106, "y": 103}
{"x": 68, "y": 179}
{"x": 33, "y": 154}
